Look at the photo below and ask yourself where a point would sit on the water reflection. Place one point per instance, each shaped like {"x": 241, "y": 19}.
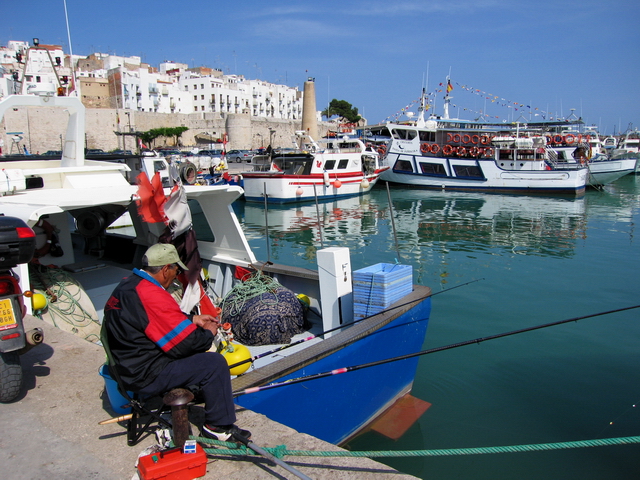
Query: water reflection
{"x": 426, "y": 222}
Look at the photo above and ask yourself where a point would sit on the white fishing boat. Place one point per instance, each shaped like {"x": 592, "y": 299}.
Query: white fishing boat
{"x": 325, "y": 169}
{"x": 70, "y": 202}
{"x": 628, "y": 147}
{"x": 453, "y": 154}
{"x": 570, "y": 148}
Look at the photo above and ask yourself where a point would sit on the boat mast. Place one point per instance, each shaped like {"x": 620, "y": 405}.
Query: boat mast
{"x": 423, "y": 102}
{"x": 447, "y": 99}
{"x": 73, "y": 70}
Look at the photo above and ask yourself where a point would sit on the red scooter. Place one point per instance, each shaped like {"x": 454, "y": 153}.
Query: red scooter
{"x": 17, "y": 245}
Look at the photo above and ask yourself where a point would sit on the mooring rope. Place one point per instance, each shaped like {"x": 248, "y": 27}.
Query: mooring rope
{"x": 63, "y": 305}
{"x": 282, "y": 450}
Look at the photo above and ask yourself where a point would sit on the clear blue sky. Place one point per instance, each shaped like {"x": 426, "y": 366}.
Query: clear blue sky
{"x": 550, "y": 55}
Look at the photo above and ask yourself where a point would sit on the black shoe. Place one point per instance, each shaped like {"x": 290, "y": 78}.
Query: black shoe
{"x": 224, "y": 433}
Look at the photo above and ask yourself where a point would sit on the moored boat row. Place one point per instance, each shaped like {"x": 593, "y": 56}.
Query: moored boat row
{"x": 463, "y": 155}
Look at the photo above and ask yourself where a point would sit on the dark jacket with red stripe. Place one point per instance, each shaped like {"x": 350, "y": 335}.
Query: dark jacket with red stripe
{"x": 147, "y": 330}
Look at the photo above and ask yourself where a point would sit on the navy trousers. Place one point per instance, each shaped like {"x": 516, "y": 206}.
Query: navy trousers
{"x": 209, "y": 371}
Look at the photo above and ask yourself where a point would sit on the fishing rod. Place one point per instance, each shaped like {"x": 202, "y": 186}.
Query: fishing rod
{"x": 338, "y": 371}
{"x": 306, "y": 339}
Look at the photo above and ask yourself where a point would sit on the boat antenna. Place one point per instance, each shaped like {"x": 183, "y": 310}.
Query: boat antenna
{"x": 73, "y": 70}
{"x": 315, "y": 195}
{"x": 423, "y": 103}
{"x": 393, "y": 223}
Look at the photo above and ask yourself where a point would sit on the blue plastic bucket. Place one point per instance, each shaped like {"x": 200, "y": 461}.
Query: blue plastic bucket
{"x": 116, "y": 399}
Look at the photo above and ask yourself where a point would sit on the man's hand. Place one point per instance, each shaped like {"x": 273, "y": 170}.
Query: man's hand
{"x": 207, "y": 322}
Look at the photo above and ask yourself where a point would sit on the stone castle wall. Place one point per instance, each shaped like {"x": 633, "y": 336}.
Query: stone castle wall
{"x": 44, "y": 129}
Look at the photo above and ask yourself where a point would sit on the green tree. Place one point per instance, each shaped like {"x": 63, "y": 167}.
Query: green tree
{"x": 150, "y": 136}
{"x": 342, "y": 109}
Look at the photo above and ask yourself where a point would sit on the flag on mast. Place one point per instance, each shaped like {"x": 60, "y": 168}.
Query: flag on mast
{"x": 449, "y": 86}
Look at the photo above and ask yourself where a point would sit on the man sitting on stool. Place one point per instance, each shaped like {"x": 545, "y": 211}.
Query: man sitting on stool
{"x": 157, "y": 347}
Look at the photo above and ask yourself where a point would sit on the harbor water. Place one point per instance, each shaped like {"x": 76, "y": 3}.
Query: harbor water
{"x": 530, "y": 260}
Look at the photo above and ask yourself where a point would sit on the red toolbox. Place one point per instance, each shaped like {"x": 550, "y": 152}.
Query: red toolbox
{"x": 173, "y": 464}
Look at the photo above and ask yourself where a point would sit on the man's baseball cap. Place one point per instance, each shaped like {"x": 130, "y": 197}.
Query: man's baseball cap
{"x": 162, "y": 254}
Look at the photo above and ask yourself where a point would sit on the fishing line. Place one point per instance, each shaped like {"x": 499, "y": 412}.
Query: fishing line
{"x": 306, "y": 339}
{"x": 423, "y": 352}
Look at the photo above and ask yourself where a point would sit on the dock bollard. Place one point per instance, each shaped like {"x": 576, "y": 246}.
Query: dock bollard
{"x": 178, "y": 399}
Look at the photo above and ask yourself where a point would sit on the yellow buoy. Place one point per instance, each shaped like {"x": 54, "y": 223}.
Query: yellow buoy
{"x": 235, "y": 353}
{"x": 306, "y": 303}
{"x": 38, "y": 301}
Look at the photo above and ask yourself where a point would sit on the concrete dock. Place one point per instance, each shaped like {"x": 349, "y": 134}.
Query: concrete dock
{"x": 52, "y": 430}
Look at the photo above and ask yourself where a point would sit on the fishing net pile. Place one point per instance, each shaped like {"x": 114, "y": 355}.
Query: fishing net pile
{"x": 262, "y": 312}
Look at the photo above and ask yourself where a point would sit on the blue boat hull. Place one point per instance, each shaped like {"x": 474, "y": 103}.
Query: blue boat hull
{"x": 337, "y": 407}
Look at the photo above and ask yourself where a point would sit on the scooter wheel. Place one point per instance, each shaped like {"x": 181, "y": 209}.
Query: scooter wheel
{"x": 10, "y": 376}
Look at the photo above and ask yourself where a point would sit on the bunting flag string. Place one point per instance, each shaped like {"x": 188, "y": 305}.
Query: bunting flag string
{"x": 447, "y": 87}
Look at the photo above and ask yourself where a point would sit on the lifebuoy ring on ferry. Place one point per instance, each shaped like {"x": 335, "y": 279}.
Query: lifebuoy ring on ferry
{"x": 474, "y": 152}
{"x": 456, "y": 138}
{"x": 52, "y": 243}
{"x": 447, "y": 149}
{"x": 425, "y": 148}
{"x": 557, "y": 139}
{"x": 484, "y": 140}
{"x": 488, "y": 152}
{"x": 466, "y": 138}
{"x": 475, "y": 139}
{"x": 568, "y": 139}
{"x": 435, "y": 148}
{"x": 462, "y": 151}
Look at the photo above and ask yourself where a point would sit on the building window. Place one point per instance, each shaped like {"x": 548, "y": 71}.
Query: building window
{"x": 195, "y": 97}
{"x": 195, "y": 87}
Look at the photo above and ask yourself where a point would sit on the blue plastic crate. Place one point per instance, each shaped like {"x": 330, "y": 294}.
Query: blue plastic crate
{"x": 378, "y": 286}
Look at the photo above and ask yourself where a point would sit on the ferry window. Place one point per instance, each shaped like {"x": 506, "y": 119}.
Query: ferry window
{"x": 403, "y": 166}
{"x": 342, "y": 164}
{"x": 329, "y": 164}
{"x": 200, "y": 224}
{"x": 403, "y": 134}
{"x": 468, "y": 171}
{"x": 399, "y": 134}
{"x": 427, "y": 136}
{"x": 432, "y": 168}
